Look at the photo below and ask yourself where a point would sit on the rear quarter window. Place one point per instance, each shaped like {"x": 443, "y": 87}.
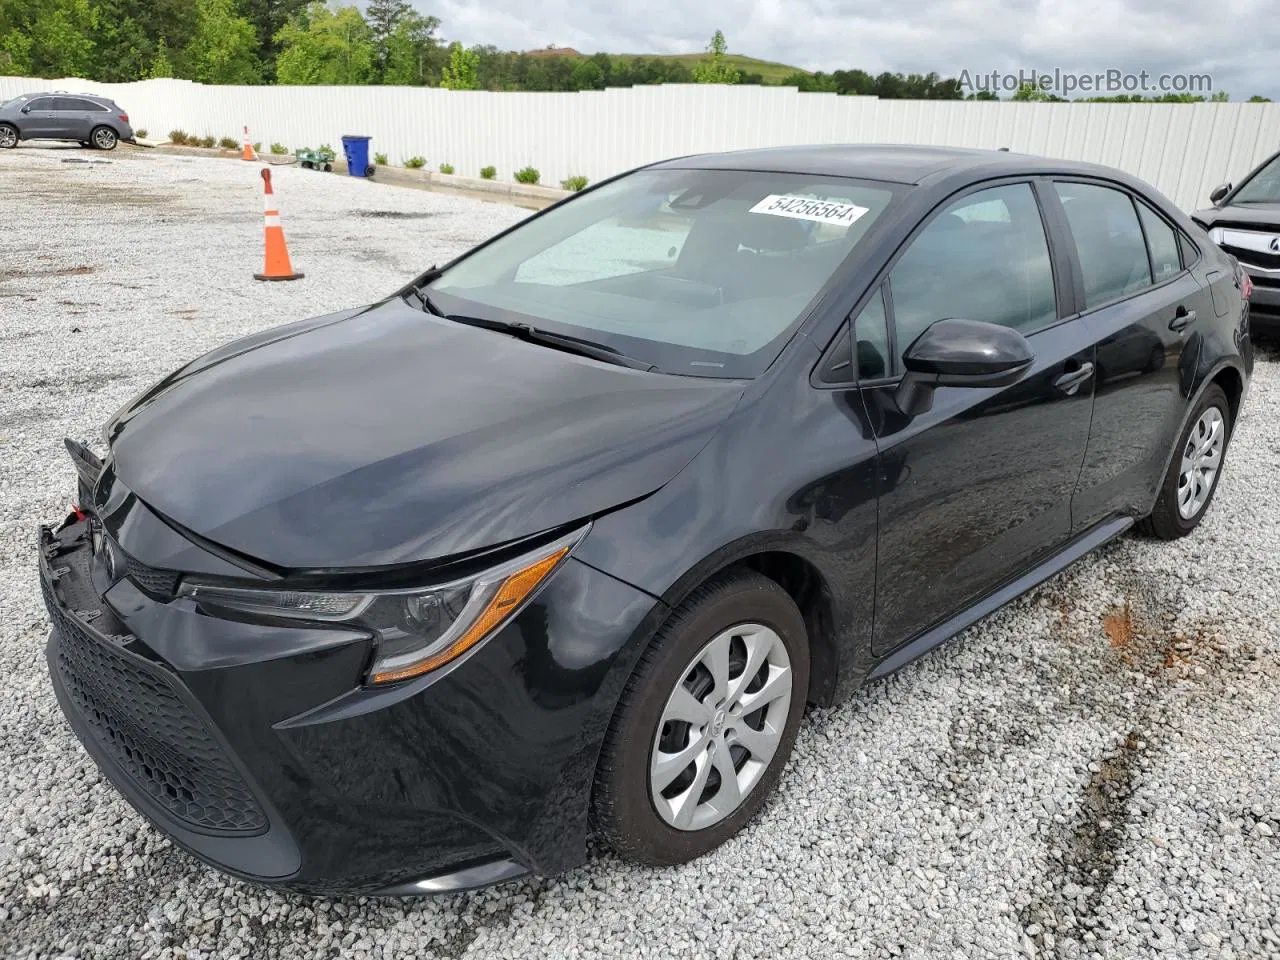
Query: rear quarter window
{"x": 1162, "y": 241}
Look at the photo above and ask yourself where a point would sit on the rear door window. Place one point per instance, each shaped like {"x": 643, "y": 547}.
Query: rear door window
{"x": 985, "y": 257}
{"x": 1109, "y": 241}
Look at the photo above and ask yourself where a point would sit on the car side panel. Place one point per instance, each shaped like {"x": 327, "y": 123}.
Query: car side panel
{"x": 792, "y": 471}
{"x": 40, "y": 120}
{"x": 70, "y": 122}
{"x": 1145, "y": 375}
{"x": 977, "y": 490}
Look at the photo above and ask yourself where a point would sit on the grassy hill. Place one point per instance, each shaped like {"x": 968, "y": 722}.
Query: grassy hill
{"x": 772, "y": 72}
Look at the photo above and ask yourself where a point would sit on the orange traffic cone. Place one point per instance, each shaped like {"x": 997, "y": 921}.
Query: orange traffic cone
{"x": 248, "y": 153}
{"x": 277, "y": 265}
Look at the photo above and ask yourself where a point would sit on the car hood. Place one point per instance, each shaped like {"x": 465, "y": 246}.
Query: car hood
{"x": 388, "y": 435}
{"x": 1265, "y": 216}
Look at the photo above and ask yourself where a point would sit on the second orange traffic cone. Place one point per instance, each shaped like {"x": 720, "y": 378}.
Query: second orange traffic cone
{"x": 277, "y": 266}
{"x": 248, "y": 153}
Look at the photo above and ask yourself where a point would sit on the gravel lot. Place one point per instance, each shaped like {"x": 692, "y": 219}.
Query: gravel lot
{"x": 1094, "y": 771}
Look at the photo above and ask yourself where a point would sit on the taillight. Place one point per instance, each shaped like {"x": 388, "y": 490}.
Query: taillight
{"x": 124, "y": 118}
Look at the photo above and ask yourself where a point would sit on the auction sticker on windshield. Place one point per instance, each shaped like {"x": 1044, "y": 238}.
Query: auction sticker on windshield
{"x": 809, "y": 208}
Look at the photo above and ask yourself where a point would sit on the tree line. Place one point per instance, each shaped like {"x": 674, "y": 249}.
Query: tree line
{"x": 319, "y": 42}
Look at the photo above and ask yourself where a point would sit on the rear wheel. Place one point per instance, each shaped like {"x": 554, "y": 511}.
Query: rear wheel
{"x": 706, "y": 723}
{"x": 104, "y": 138}
{"x": 1189, "y": 485}
{"x": 8, "y": 136}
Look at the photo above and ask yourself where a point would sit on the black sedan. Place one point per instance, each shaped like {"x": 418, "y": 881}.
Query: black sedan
{"x": 561, "y": 539}
{"x": 1245, "y": 221}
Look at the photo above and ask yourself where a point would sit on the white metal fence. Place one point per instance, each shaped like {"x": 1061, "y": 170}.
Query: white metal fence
{"x": 1184, "y": 149}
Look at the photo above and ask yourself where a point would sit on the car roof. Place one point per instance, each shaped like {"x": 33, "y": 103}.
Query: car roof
{"x": 62, "y": 93}
{"x": 893, "y": 163}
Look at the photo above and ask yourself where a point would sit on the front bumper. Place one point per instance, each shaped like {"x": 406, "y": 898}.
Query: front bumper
{"x": 1264, "y": 305}
{"x": 254, "y": 746}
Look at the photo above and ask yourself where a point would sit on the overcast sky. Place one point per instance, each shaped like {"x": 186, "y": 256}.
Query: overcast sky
{"x": 1235, "y": 41}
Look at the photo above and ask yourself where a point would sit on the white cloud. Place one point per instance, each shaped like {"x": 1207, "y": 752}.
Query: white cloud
{"x": 1234, "y": 40}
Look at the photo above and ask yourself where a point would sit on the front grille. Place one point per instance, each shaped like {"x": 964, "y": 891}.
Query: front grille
{"x": 139, "y": 717}
{"x": 157, "y": 582}
{"x": 1268, "y": 261}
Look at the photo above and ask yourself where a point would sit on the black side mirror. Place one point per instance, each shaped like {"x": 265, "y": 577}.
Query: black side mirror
{"x": 960, "y": 353}
{"x": 27, "y": 108}
{"x": 1220, "y": 191}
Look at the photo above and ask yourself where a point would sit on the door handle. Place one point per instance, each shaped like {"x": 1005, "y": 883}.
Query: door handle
{"x": 1182, "y": 319}
{"x": 1070, "y": 382}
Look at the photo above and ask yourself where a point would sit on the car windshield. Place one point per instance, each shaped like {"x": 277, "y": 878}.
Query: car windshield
{"x": 696, "y": 272}
{"x": 1263, "y": 186}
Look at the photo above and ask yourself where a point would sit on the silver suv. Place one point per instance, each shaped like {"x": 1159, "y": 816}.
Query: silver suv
{"x": 89, "y": 120}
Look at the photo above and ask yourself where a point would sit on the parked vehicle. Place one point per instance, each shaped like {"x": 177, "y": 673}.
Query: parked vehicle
{"x": 91, "y": 121}
{"x": 563, "y": 537}
{"x": 1245, "y": 222}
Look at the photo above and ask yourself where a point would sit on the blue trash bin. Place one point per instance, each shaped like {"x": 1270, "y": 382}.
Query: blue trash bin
{"x": 356, "y": 149}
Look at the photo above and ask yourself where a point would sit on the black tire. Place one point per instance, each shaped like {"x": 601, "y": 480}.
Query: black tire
{"x": 370, "y": 170}
{"x": 8, "y": 136}
{"x": 104, "y": 138}
{"x": 1166, "y": 522}
{"x": 622, "y": 812}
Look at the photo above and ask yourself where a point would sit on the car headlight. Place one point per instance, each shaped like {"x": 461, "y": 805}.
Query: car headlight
{"x": 417, "y": 630}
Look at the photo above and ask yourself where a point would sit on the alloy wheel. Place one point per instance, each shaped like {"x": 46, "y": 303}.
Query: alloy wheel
{"x": 8, "y": 137}
{"x": 721, "y": 727}
{"x": 104, "y": 138}
{"x": 1201, "y": 458}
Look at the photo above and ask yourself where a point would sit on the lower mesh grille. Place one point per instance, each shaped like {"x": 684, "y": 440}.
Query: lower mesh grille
{"x": 142, "y": 720}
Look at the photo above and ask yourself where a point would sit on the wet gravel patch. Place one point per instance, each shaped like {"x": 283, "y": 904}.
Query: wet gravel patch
{"x": 1094, "y": 771}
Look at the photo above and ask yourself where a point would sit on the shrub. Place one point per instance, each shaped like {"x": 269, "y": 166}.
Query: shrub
{"x": 415, "y": 163}
{"x": 527, "y": 175}
{"x": 177, "y": 136}
{"x": 574, "y": 183}
{"x": 141, "y": 133}
{"x": 208, "y": 142}
{"x": 446, "y": 168}
{"x": 279, "y": 149}
{"x": 229, "y": 143}
{"x": 257, "y": 147}
{"x": 488, "y": 173}
{"x": 380, "y": 159}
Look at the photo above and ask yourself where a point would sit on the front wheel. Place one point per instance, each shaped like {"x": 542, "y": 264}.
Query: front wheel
{"x": 104, "y": 138}
{"x": 8, "y": 136}
{"x": 706, "y": 722}
{"x": 1193, "y": 474}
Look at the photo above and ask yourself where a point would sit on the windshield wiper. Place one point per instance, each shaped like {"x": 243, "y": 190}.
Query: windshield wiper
{"x": 560, "y": 341}
{"x": 419, "y": 289}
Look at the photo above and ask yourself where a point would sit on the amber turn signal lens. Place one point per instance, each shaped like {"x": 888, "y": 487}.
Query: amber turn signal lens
{"x": 513, "y": 591}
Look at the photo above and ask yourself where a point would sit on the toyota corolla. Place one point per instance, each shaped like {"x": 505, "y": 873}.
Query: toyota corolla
{"x": 560, "y": 539}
